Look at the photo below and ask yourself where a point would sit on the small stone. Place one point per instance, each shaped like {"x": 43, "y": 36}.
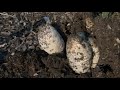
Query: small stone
{"x": 108, "y": 26}
{"x": 24, "y": 47}
{"x": 89, "y": 23}
{"x": 68, "y": 24}
{"x": 24, "y": 23}
{"x": 35, "y": 74}
{"x": 117, "y": 40}
{"x": 115, "y": 44}
{"x": 29, "y": 42}
{"x": 79, "y": 50}
{"x": 2, "y": 45}
{"x": 35, "y": 42}
{"x": 31, "y": 47}
{"x": 12, "y": 53}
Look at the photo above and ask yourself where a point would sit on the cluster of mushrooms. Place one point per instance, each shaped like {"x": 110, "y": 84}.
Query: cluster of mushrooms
{"x": 81, "y": 50}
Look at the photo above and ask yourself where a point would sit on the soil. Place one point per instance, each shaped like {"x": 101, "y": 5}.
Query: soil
{"x": 21, "y": 57}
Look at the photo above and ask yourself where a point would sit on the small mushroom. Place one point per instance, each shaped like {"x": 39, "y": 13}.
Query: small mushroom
{"x": 79, "y": 50}
{"x": 49, "y": 38}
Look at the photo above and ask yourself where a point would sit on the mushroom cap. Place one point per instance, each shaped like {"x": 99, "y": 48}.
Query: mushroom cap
{"x": 79, "y": 53}
{"x": 50, "y": 40}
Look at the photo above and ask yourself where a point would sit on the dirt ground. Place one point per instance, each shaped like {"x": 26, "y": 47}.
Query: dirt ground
{"x": 21, "y": 57}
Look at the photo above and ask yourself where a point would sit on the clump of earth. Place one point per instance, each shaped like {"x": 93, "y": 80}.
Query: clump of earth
{"x": 21, "y": 56}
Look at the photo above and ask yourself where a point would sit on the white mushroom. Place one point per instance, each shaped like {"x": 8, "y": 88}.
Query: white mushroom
{"x": 79, "y": 54}
{"x": 49, "y": 38}
{"x": 79, "y": 50}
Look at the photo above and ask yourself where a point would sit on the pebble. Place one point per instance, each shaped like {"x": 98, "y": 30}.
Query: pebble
{"x": 12, "y": 53}
{"x": 35, "y": 74}
{"x": 108, "y": 26}
{"x": 2, "y": 45}
{"x": 89, "y": 23}
{"x": 117, "y": 40}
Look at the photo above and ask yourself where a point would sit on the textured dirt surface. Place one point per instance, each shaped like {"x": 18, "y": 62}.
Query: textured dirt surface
{"x": 21, "y": 57}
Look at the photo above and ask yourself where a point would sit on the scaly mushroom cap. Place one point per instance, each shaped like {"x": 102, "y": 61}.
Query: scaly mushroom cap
{"x": 49, "y": 39}
{"x": 79, "y": 53}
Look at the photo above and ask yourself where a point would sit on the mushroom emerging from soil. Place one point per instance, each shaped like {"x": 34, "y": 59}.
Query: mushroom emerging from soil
{"x": 49, "y": 38}
{"x": 82, "y": 52}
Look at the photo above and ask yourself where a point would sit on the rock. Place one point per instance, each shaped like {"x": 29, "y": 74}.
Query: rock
{"x": 89, "y": 23}
{"x": 117, "y": 40}
{"x": 2, "y": 45}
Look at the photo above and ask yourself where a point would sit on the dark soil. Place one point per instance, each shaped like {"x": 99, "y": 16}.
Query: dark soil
{"x": 21, "y": 57}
